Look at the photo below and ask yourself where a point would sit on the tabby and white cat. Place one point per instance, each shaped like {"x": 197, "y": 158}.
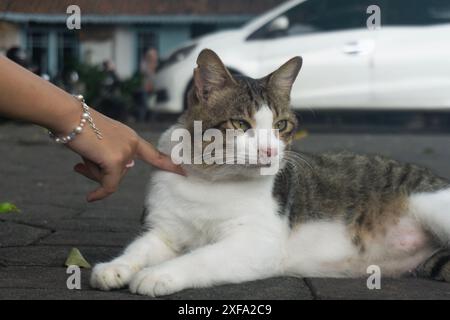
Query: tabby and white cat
{"x": 328, "y": 215}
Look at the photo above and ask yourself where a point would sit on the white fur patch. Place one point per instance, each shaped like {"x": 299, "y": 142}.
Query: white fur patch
{"x": 324, "y": 249}
{"x": 318, "y": 249}
{"x": 264, "y": 118}
{"x": 432, "y": 209}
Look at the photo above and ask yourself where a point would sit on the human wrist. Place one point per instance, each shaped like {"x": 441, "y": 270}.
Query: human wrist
{"x": 65, "y": 119}
{"x": 85, "y": 120}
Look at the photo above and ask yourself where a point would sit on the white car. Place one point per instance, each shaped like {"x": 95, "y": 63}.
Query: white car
{"x": 402, "y": 65}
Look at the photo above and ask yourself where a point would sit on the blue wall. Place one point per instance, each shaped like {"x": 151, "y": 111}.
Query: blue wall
{"x": 171, "y": 37}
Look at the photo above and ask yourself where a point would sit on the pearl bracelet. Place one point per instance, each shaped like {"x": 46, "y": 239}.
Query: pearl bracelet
{"x": 85, "y": 118}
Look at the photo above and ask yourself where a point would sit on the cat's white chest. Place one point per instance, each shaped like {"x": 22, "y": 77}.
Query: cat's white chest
{"x": 203, "y": 212}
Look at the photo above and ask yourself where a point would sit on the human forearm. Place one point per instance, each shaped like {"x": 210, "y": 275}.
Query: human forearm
{"x": 27, "y": 97}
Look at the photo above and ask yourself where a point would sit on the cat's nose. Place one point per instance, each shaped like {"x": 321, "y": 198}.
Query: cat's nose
{"x": 269, "y": 152}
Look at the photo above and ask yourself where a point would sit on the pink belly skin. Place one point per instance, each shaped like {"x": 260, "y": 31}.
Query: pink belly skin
{"x": 404, "y": 246}
{"x": 407, "y": 236}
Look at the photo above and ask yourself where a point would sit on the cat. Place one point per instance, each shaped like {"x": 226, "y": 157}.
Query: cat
{"x": 320, "y": 215}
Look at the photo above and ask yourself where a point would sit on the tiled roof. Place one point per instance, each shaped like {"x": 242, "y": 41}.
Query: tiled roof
{"x": 140, "y": 7}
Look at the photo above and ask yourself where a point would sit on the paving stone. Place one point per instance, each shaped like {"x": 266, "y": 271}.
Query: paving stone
{"x": 48, "y": 278}
{"x": 13, "y": 234}
{"x": 54, "y": 280}
{"x": 65, "y": 294}
{"x": 77, "y": 238}
{"x": 268, "y": 289}
{"x": 52, "y": 198}
{"x": 405, "y": 288}
{"x": 54, "y": 256}
{"x": 89, "y": 225}
{"x": 403, "y": 147}
{"x": 130, "y": 202}
{"x": 38, "y": 277}
{"x": 40, "y": 214}
{"x": 114, "y": 212}
{"x": 59, "y": 198}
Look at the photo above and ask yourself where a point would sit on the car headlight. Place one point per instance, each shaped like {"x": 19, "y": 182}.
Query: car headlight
{"x": 176, "y": 56}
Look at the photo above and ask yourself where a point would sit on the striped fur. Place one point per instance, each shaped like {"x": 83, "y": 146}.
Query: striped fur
{"x": 367, "y": 192}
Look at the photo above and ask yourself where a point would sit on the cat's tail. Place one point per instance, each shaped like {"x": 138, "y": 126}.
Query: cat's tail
{"x": 437, "y": 267}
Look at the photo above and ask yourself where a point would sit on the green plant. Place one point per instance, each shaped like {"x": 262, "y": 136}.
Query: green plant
{"x": 92, "y": 76}
{"x": 129, "y": 87}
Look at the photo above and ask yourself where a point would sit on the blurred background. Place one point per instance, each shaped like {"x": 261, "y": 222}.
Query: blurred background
{"x": 384, "y": 63}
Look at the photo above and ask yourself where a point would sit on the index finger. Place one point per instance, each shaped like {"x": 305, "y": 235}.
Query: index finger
{"x": 150, "y": 154}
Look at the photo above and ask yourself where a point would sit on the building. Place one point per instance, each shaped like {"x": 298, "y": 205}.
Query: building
{"x": 115, "y": 30}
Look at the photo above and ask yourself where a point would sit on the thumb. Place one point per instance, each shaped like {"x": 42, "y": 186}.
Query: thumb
{"x": 151, "y": 155}
{"x": 109, "y": 184}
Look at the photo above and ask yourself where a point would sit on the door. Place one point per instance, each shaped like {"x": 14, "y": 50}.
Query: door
{"x": 336, "y": 46}
{"x": 412, "y": 59}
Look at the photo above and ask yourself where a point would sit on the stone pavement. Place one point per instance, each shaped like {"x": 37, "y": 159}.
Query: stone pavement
{"x": 36, "y": 175}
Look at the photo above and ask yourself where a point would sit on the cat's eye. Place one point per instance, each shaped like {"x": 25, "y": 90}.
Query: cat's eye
{"x": 281, "y": 125}
{"x": 241, "y": 125}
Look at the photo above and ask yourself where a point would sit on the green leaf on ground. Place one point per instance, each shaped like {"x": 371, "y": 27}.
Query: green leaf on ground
{"x": 75, "y": 258}
{"x": 7, "y": 207}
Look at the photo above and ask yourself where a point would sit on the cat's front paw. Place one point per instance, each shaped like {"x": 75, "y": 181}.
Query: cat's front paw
{"x": 153, "y": 282}
{"x": 107, "y": 276}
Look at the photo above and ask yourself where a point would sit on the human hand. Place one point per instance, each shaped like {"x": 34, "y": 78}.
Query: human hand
{"x": 26, "y": 97}
{"x": 105, "y": 161}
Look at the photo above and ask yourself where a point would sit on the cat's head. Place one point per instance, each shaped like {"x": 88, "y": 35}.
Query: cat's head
{"x": 255, "y": 111}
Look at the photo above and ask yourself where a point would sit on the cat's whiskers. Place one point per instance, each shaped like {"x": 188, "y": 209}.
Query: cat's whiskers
{"x": 293, "y": 157}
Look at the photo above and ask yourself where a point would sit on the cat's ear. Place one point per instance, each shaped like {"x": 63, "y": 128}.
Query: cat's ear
{"x": 210, "y": 75}
{"x": 284, "y": 77}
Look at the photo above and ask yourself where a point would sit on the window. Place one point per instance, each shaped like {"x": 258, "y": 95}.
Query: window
{"x": 436, "y": 11}
{"x": 319, "y": 15}
{"x": 200, "y": 29}
{"x": 68, "y": 51}
{"x": 346, "y": 14}
{"x": 52, "y": 51}
{"x": 333, "y": 15}
{"x": 37, "y": 50}
{"x": 417, "y": 12}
